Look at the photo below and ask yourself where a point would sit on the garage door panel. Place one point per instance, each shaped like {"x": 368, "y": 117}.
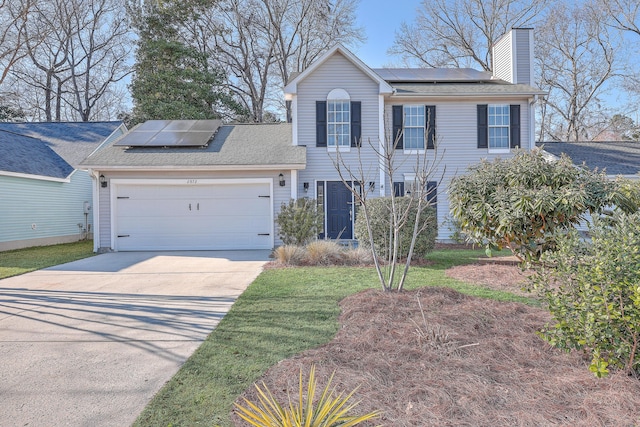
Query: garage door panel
{"x": 222, "y": 216}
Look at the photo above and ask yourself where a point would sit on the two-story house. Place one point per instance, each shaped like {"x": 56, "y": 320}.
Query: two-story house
{"x": 204, "y": 185}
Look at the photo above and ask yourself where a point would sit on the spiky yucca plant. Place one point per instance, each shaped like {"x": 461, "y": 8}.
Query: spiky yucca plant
{"x": 330, "y": 410}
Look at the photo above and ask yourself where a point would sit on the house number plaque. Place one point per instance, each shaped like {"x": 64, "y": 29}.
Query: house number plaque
{"x": 192, "y": 181}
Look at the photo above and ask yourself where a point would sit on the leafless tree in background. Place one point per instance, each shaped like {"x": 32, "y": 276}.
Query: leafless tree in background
{"x": 14, "y": 15}
{"x": 460, "y": 33}
{"x": 576, "y": 58}
{"x": 260, "y": 43}
{"x": 80, "y": 53}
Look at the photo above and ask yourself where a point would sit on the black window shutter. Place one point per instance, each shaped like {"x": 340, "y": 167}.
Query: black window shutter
{"x": 356, "y": 123}
{"x": 321, "y": 123}
{"x": 398, "y": 189}
{"x": 430, "y": 111}
{"x": 483, "y": 126}
{"x": 397, "y": 115}
{"x": 514, "y": 116}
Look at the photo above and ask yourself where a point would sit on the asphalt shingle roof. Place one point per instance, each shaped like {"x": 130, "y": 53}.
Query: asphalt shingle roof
{"x": 32, "y": 156}
{"x": 241, "y": 145}
{"x": 617, "y": 158}
{"x": 485, "y": 88}
{"x": 73, "y": 141}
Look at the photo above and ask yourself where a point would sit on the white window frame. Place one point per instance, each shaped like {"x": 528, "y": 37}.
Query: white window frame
{"x": 496, "y": 121}
{"x": 338, "y": 140}
{"x": 419, "y": 123}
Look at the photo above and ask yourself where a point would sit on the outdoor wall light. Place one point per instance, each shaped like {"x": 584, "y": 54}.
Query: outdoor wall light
{"x": 103, "y": 181}
{"x": 281, "y": 177}
{"x": 372, "y": 185}
{"x": 305, "y": 186}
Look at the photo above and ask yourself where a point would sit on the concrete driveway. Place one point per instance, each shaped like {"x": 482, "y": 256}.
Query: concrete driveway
{"x": 89, "y": 343}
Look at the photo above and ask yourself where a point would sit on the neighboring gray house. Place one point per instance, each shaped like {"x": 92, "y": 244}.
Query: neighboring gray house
{"x": 43, "y": 195}
{"x": 617, "y": 158}
{"x": 200, "y": 185}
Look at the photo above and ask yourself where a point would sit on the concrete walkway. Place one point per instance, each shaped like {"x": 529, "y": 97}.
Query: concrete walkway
{"x": 89, "y": 343}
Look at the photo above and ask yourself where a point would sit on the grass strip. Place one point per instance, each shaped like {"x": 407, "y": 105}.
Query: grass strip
{"x": 20, "y": 261}
{"x": 282, "y": 313}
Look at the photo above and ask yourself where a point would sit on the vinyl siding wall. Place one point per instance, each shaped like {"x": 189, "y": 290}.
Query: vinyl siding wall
{"x": 56, "y": 209}
{"x": 503, "y": 58}
{"x": 456, "y": 146}
{"x": 336, "y": 72}
{"x": 523, "y": 46}
{"x": 280, "y": 194}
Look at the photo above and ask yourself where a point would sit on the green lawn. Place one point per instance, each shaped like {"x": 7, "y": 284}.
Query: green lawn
{"x": 282, "y": 313}
{"x": 20, "y": 261}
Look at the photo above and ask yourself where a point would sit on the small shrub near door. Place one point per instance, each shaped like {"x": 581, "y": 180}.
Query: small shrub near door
{"x": 379, "y": 213}
{"x": 299, "y": 221}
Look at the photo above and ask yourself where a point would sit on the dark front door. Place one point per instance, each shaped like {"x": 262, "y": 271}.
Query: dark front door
{"x": 339, "y": 203}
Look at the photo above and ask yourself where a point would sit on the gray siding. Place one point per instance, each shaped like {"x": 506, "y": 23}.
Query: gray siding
{"x": 336, "y": 72}
{"x": 524, "y": 56}
{"x": 56, "y": 208}
{"x": 280, "y": 194}
{"x": 456, "y": 146}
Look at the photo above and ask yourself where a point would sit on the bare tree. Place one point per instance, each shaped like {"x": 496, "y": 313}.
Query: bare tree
{"x": 13, "y": 19}
{"x": 260, "y": 43}
{"x": 426, "y": 168}
{"x": 98, "y": 50}
{"x": 625, "y": 17}
{"x": 460, "y": 33}
{"x": 80, "y": 55}
{"x": 576, "y": 58}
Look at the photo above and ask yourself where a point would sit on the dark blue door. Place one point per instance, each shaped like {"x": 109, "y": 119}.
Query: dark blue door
{"x": 339, "y": 211}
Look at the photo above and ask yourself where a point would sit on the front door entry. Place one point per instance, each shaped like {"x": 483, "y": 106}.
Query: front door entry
{"x": 339, "y": 211}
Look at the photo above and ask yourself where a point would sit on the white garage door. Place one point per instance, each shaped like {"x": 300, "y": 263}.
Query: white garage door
{"x": 210, "y": 216}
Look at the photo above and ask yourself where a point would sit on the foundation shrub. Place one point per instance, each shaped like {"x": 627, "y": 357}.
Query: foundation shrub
{"x": 299, "y": 221}
{"x": 379, "y": 215}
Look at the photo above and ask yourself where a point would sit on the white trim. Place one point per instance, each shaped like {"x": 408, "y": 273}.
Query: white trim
{"x": 95, "y": 195}
{"x": 294, "y": 184}
{"x": 499, "y": 150}
{"x": 207, "y": 168}
{"x": 294, "y": 120}
{"x": 514, "y": 56}
{"x": 116, "y": 182}
{"x": 340, "y": 148}
{"x": 338, "y": 94}
{"x": 384, "y": 87}
{"x": 381, "y": 144}
{"x": 37, "y": 177}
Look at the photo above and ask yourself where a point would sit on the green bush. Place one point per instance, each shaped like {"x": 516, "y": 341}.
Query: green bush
{"x": 379, "y": 210}
{"x": 593, "y": 292}
{"x": 520, "y": 203}
{"x": 299, "y": 221}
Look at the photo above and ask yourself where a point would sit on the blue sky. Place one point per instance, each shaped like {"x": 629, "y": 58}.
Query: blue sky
{"x": 381, "y": 19}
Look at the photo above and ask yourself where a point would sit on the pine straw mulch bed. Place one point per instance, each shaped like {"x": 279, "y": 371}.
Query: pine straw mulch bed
{"x": 469, "y": 362}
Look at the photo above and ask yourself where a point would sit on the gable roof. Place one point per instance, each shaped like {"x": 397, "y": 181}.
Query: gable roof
{"x": 72, "y": 141}
{"x": 292, "y": 86}
{"x": 24, "y": 155}
{"x": 236, "y": 146}
{"x": 616, "y": 157}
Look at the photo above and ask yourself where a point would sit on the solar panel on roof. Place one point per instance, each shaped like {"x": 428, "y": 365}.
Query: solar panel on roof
{"x": 179, "y": 125}
{"x": 171, "y": 133}
{"x": 153, "y": 125}
{"x": 432, "y": 74}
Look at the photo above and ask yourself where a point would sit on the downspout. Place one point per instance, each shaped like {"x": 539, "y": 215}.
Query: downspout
{"x": 95, "y": 208}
